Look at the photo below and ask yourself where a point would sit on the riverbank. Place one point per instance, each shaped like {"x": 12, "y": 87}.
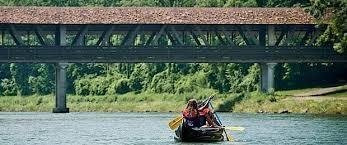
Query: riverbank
{"x": 286, "y": 102}
{"x": 130, "y": 102}
{"x": 255, "y": 102}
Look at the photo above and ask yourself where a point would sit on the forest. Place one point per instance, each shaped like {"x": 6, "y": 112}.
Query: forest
{"x": 22, "y": 79}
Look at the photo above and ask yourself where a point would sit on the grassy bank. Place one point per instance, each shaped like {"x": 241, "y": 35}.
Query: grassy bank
{"x": 279, "y": 102}
{"x": 130, "y": 102}
{"x": 286, "y": 102}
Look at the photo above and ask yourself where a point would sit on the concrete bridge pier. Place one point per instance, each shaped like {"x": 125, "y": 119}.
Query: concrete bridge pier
{"x": 267, "y": 77}
{"x": 60, "y": 74}
{"x": 60, "y": 88}
{"x": 268, "y": 69}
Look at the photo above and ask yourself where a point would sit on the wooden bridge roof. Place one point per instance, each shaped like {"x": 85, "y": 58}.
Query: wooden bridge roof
{"x": 153, "y": 15}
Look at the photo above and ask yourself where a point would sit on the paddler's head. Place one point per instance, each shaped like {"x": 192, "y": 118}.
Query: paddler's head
{"x": 192, "y": 103}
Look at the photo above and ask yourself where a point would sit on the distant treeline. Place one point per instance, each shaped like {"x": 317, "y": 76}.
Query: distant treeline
{"x": 120, "y": 78}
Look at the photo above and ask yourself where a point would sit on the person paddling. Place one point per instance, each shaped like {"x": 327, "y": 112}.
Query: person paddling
{"x": 198, "y": 117}
{"x": 206, "y": 115}
{"x": 191, "y": 114}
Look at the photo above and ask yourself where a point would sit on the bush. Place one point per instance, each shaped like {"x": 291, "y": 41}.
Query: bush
{"x": 230, "y": 102}
{"x": 162, "y": 83}
{"x": 82, "y": 86}
{"x": 139, "y": 78}
{"x": 119, "y": 87}
{"x": 136, "y": 84}
{"x": 8, "y": 87}
{"x": 251, "y": 81}
{"x": 185, "y": 85}
{"x": 40, "y": 85}
{"x": 100, "y": 84}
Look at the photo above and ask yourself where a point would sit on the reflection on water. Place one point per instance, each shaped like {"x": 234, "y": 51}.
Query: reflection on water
{"x": 151, "y": 128}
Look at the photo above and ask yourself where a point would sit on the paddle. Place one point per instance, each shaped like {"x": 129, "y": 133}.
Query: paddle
{"x": 229, "y": 137}
{"x": 175, "y": 123}
{"x": 234, "y": 128}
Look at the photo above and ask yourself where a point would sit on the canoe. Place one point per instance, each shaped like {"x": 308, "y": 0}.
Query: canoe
{"x": 198, "y": 134}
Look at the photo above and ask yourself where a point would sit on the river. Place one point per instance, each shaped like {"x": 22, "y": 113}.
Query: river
{"x": 151, "y": 128}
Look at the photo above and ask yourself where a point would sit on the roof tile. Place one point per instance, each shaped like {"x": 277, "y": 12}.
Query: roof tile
{"x": 153, "y": 15}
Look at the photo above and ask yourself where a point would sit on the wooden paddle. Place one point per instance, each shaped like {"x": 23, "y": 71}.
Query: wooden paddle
{"x": 229, "y": 137}
{"x": 175, "y": 123}
{"x": 234, "y": 128}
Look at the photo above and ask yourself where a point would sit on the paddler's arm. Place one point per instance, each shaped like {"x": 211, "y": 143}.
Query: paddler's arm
{"x": 206, "y": 104}
{"x": 209, "y": 121}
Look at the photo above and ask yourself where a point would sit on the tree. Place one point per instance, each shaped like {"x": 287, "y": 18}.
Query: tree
{"x": 20, "y": 75}
{"x": 42, "y": 79}
{"x": 336, "y": 32}
{"x": 241, "y": 3}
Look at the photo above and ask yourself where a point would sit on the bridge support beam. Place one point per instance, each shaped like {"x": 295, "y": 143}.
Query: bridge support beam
{"x": 267, "y": 77}
{"x": 60, "y": 88}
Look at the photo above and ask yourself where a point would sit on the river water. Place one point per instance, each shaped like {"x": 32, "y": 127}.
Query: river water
{"x": 151, "y": 128}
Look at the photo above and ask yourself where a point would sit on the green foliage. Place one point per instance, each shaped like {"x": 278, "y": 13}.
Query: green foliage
{"x": 139, "y": 77}
{"x": 41, "y": 81}
{"x": 217, "y": 78}
{"x": 78, "y": 70}
{"x": 335, "y": 33}
{"x": 234, "y": 75}
{"x": 191, "y": 83}
{"x": 283, "y": 3}
{"x": 99, "y": 85}
{"x": 302, "y": 75}
{"x": 138, "y": 3}
{"x": 21, "y": 80}
{"x": 82, "y": 86}
{"x": 165, "y": 102}
{"x": 4, "y": 73}
{"x": 251, "y": 81}
{"x": 230, "y": 102}
{"x": 162, "y": 82}
{"x": 241, "y": 3}
{"x": 8, "y": 87}
{"x": 122, "y": 86}
{"x": 176, "y": 3}
{"x": 279, "y": 103}
{"x": 185, "y": 84}
{"x": 210, "y": 3}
